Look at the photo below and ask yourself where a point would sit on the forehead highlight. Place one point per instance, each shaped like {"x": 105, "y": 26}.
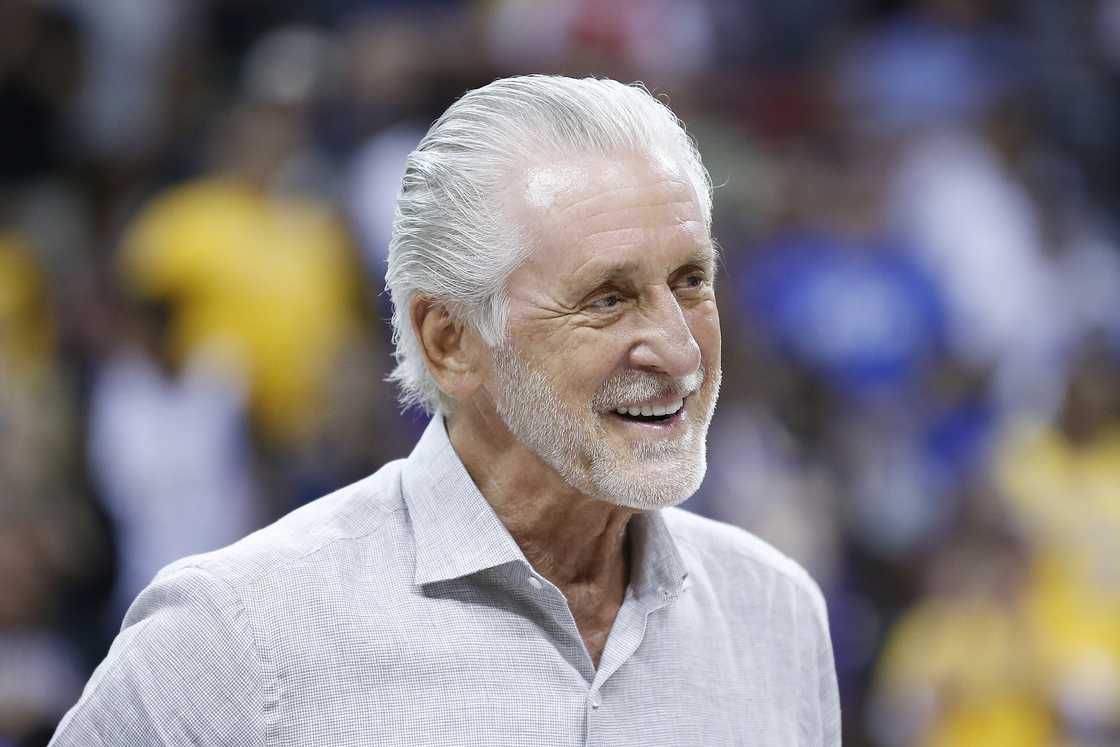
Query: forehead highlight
{"x": 546, "y": 185}
{"x": 566, "y": 182}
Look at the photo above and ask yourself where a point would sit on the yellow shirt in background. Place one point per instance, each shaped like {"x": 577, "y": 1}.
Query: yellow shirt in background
{"x": 1067, "y": 498}
{"x": 267, "y": 281}
{"x": 26, "y": 338}
{"x": 970, "y": 661}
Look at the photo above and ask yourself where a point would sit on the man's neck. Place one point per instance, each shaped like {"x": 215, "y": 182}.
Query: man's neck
{"x": 576, "y": 542}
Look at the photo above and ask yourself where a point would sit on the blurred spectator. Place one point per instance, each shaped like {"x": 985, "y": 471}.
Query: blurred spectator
{"x": 261, "y": 279}
{"x": 937, "y": 64}
{"x": 388, "y": 78}
{"x": 377, "y": 170}
{"x": 865, "y": 316}
{"x": 169, "y": 453}
{"x": 1062, "y": 483}
{"x": 1017, "y": 639}
{"x": 128, "y": 49}
{"x": 958, "y": 668}
{"x": 976, "y": 226}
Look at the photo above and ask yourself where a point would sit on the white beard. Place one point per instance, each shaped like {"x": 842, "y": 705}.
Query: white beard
{"x": 648, "y": 475}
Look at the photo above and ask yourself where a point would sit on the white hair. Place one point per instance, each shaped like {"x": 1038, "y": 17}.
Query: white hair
{"x": 452, "y": 242}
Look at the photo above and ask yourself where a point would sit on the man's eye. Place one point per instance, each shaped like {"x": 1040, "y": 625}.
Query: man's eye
{"x": 692, "y": 282}
{"x": 608, "y": 301}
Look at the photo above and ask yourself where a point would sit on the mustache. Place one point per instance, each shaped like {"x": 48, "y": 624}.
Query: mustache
{"x": 634, "y": 386}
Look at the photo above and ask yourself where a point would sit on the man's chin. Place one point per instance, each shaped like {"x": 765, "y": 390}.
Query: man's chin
{"x": 651, "y": 486}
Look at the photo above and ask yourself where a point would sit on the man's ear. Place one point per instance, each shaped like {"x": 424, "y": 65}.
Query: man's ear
{"x": 452, "y": 350}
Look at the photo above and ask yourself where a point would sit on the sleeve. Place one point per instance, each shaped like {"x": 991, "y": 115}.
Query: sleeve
{"x": 185, "y": 669}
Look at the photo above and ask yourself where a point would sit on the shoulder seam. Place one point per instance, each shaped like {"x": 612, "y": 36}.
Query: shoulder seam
{"x": 86, "y": 699}
{"x": 270, "y": 698}
{"x": 283, "y": 562}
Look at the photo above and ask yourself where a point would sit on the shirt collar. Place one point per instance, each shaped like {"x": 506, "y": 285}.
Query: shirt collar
{"x": 656, "y": 564}
{"x": 455, "y": 529}
{"x": 457, "y": 532}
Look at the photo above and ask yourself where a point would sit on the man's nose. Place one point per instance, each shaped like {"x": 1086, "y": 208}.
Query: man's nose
{"x": 666, "y": 344}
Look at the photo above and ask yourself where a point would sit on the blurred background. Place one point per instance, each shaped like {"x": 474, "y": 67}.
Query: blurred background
{"x": 918, "y": 207}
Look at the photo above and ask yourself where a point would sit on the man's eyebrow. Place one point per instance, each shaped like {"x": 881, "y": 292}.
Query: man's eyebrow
{"x": 705, "y": 258}
{"x": 606, "y": 275}
{"x": 618, "y": 274}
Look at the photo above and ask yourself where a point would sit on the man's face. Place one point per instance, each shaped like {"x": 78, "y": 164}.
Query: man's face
{"x": 612, "y": 369}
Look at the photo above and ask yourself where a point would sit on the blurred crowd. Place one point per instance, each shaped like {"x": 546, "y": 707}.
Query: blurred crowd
{"x": 918, "y": 204}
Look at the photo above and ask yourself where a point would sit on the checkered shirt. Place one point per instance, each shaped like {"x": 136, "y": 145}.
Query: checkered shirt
{"x": 400, "y": 611}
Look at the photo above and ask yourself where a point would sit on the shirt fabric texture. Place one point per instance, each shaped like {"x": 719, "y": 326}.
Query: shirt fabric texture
{"x": 400, "y": 611}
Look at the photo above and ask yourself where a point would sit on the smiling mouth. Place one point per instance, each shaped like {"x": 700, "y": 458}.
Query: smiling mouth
{"x": 650, "y": 413}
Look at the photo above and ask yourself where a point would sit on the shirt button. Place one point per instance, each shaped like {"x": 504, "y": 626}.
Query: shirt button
{"x": 596, "y": 700}
{"x": 535, "y": 582}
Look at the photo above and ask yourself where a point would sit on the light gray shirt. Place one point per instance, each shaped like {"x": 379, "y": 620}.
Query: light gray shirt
{"x": 400, "y": 611}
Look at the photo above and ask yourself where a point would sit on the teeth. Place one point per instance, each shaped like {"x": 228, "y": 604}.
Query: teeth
{"x": 650, "y": 410}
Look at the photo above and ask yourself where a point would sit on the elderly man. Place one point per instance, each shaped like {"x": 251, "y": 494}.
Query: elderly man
{"x": 521, "y": 578}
